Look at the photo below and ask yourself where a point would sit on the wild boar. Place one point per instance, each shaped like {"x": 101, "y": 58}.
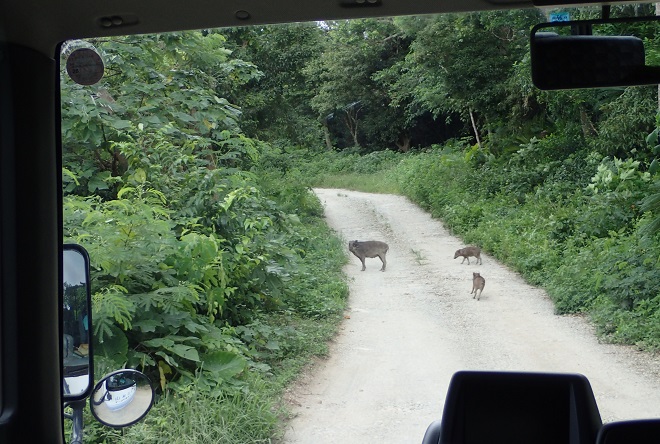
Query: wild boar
{"x": 467, "y": 252}
{"x": 478, "y": 284}
{"x": 369, "y": 249}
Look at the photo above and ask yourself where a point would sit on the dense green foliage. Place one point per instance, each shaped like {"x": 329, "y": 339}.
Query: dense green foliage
{"x": 210, "y": 278}
{"x": 585, "y": 240}
{"x": 187, "y": 172}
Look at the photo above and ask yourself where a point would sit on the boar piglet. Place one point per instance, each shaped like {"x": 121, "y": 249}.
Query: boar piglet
{"x": 467, "y": 252}
{"x": 369, "y": 249}
{"x": 478, "y": 284}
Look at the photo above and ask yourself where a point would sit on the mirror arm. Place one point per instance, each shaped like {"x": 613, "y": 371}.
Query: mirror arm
{"x": 77, "y": 422}
{"x": 606, "y": 12}
{"x": 581, "y": 29}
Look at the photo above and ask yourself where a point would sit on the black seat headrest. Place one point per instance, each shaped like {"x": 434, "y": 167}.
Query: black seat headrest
{"x": 643, "y": 431}
{"x": 519, "y": 408}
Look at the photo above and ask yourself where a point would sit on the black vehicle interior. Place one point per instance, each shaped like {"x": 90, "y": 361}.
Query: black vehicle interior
{"x": 479, "y": 406}
{"x": 511, "y": 407}
{"x": 586, "y": 59}
{"x": 642, "y": 431}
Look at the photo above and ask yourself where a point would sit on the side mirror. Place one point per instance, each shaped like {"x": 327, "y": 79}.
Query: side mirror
{"x": 122, "y": 398}
{"x": 595, "y": 53}
{"x": 77, "y": 363}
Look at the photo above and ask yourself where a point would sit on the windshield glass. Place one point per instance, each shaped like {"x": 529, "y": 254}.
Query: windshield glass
{"x": 391, "y": 199}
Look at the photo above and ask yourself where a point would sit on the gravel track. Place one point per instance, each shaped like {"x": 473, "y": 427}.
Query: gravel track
{"x": 407, "y": 330}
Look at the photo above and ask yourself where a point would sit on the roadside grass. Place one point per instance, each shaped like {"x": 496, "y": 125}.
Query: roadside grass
{"x": 253, "y": 413}
{"x": 372, "y": 172}
{"x": 419, "y": 256}
{"x": 382, "y": 183}
{"x": 193, "y": 417}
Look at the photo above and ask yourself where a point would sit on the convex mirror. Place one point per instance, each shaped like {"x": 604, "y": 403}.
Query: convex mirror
{"x": 76, "y": 324}
{"x": 596, "y": 53}
{"x": 122, "y": 398}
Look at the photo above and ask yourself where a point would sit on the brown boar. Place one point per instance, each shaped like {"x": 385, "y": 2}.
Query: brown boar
{"x": 478, "y": 284}
{"x": 369, "y": 249}
{"x": 467, "y": 252}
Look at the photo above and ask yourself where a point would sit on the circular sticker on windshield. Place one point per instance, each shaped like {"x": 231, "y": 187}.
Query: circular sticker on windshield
{"x": 84, "y": 66}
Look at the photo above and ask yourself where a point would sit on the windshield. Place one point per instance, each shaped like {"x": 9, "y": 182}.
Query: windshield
{"x": 389, "y": 199}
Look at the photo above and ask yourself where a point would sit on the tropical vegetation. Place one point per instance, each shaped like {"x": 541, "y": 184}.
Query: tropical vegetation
{"x": 187, "y": 174}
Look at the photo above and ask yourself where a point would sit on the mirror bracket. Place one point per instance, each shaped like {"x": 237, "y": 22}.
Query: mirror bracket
{"x": 606, "y": 9}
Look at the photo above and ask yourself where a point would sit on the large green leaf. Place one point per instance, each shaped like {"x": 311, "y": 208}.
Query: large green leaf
{"x": 97, "y": 182}
{"x": 185, "y": 351}
{"x": 146, "y": 325}
{"x": 224, "y": 365}
{"x": 159, "y": 342}
{"x": 120, "y": 124}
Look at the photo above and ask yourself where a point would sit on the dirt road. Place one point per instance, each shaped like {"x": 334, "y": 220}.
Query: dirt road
{"x": 407, "y": 330}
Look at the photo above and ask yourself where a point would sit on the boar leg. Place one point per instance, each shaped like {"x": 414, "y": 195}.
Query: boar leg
{"x": 383, "y": 260}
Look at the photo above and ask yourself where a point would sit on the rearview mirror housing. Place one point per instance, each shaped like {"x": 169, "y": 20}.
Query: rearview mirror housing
{"x": 77, "y": 358}
{"x": 588, "y": 53}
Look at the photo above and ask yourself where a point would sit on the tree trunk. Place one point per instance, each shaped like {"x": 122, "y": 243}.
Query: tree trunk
{"x": 351, "y": 121}
{"x": 326, "y": 135}
{"x": 588, "y": 128}
{"x": 474, "y": 128}
{"x": 403, "y": 144}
